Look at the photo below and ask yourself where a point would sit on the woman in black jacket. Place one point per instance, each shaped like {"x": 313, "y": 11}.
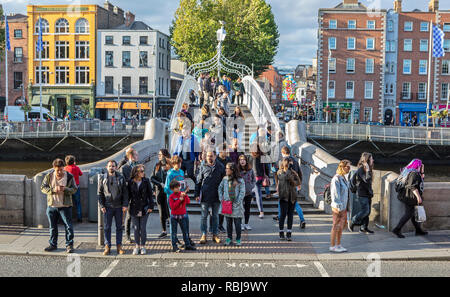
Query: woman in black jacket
{"x": 158, "y": 180}
{"x": 140, "y": 195}
{"x": 260, "y": 169}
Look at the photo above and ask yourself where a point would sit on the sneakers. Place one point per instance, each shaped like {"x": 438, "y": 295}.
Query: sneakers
{"x": 216, "y": 239}
{"x": 238, "y": 242}
{"x": 50, "y": 248}
{"x": 228, "y": 242}
{"x": 282, "y": 235}
{"x": 175, "y": 249}
{"x": 247, "y": 226}
{"x": 222, "y": 229}
{"x": 261, "y": 216}
{"x": 135, "y": 251}
{"x": 366, "y": 231}
{"x": 191, "y": 241}
{"x": 302, "y": 225}
{"x": 289, "y": 236}
{"x": 190, "y": 248}
{"x": 398, "y": 233}
{"x": 162, "y": 235}
{"x": 340, "y": 249}
{"x": 203, "y": 239}
{"x": 143, "y": 251}
{"x": 120, "y": 251}
{"x": 107, "y": 251}
{"x": 421, "y": 232}
{"x": 69, "y": 249}
{"x": 242, "y": 227}
{"x": 275, "y": 218}
{"x": 332, "y": 249}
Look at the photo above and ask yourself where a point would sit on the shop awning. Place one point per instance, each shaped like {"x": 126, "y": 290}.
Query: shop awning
{"x": 45, "y": 100}
{"x": 135, "y": 106}
{"x": 107, "y": 105}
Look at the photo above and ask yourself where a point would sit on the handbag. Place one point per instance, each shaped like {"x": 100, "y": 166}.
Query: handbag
{"x": 266, "y": 179}
{"x": 420, "y": 214}
{"x": 227, "y": 207}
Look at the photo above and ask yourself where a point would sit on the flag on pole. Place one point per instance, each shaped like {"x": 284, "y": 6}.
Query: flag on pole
{"x": 438, "y": 42}
{"x": 8, "y": 45}
{"x": 40, "y": 45}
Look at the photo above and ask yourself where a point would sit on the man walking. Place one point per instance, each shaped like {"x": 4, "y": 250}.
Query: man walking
{"x": 201, "y": 88}
{"x": 112, "y": 196}
{"x": 188, "y": 149}
{"x": 209, "y": 177}
{"x": 59, "y": 186}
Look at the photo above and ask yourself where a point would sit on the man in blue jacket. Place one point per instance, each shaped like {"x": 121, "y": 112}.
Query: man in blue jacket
{"x": 188, "y": 148}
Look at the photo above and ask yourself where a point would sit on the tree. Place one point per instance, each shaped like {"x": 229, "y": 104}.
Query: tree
{"x": 26, "y": 109}
{"x": 252, "y": 34}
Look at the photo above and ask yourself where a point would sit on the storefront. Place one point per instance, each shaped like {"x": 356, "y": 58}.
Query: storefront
{"x": 409, "y": 112}
{"x": 443, "y": 122}
{"x": 105, "y": 110}
{"x": 342, "y": 112}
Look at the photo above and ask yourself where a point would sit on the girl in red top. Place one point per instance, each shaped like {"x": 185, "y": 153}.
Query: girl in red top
{"x": 76, "y": 172}
{"x": 178, "y": 201}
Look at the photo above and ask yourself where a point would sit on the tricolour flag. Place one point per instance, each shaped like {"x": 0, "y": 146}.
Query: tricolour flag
{"x": 40, "y": 45}
{"x": 438, "y": 42}
{"x": 8, "y": 45}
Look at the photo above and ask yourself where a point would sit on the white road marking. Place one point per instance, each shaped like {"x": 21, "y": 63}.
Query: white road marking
{"x": 109, "y": 269}
{"x": 322, "y": 270}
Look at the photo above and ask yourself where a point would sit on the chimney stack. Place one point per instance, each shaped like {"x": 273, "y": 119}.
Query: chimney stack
{"x": 398, "y": 6}
{"x": 129, "y": 18}
{"x": 433, "y": 6}
{"x": 108, "y": 6}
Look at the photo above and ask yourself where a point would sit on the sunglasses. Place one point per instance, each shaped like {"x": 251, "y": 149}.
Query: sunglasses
{"x": 141, "y": 171}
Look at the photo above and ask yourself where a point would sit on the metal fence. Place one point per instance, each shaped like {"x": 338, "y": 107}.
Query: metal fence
{"x": 92, "y": 128}
{"x": 411, "y": 135}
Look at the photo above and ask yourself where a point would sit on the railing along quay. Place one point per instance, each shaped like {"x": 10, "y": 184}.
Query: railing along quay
{"x": 391, "y": 134}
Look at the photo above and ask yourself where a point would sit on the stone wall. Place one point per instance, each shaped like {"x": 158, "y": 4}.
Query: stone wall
{"x": 13, "y": 194}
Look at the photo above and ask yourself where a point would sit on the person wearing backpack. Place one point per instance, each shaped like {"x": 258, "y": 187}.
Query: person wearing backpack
{"x": 410, "y": 186}
{"x": 339, "y": 190}
{"x": 365, "y": 193}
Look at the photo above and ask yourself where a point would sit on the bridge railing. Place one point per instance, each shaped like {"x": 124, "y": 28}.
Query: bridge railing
{"x": 63, "y": 128}
{"x": 413, "y": 135}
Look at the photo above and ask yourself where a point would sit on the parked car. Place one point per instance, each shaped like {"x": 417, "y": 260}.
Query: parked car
{"x": 372, "y": 123}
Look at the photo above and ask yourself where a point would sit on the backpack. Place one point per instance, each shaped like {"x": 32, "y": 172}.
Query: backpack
{"x": 327, "y": 195}
{"x": 353, "y": 184}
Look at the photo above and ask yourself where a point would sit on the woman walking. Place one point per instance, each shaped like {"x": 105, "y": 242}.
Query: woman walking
{"x": 287, "y": 183}
{"x": 339, "y": 189}
{"x": 158, "y": 180}
{"x": 248, "y": 176}
{"x": 141, "y": 205}
{"x": 261, "y": 170}
{"x": 411, "y": 184}
{"x": 232, "y": 191}
{"x": 238, "y": 124}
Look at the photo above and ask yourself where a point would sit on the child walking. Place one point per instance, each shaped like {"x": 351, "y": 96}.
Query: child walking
{"x": 232, "y": 191}
{"x": 178, "y": 201}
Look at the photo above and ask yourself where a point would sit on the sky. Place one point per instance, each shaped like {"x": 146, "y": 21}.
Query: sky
{"x": 296, "y": 19}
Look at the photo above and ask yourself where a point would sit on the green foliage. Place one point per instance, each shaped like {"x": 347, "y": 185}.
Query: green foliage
{"x": 252, "y": 34}
{"x": 26, "y": 109}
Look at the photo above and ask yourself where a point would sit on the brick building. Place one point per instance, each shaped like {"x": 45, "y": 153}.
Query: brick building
{"x": 17, "y": 62}
{"x": 275, "y": 81}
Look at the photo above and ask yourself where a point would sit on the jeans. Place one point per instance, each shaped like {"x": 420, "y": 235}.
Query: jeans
{"x": 53, "y": 215}
{"x": 170, "y": 222}
{"x": 247, "y": 207}
{"x": 215, "y": 217}
{"x": 163, "y": 210}
{"x": 286, "y": 209}
{"x": 77, "y": 203}
{"x": 298, "y": 208}
{"x": 258, "y": 193}
{"x": 184, "y": 223}
{"x": 128, "y": 224}
{"x": 409, "y": 215}
{"x": 221, "y": 219}
{"x": 362, "y": 217}
{"x": 117, "y": 214}
{"x": 237, "y": 225}
{"x": 239, "y": 99}
{"x": 140, "y": 229}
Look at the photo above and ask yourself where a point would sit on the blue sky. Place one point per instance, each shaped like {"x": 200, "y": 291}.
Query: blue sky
{"x": 296, "y": 19}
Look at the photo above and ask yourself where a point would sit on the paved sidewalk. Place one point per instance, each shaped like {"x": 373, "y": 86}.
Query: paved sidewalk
{"x": 261, "y": 243}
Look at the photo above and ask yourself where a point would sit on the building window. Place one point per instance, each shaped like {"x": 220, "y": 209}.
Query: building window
{"x": 62, "y": 49}
{"x": 444, "y": 91}
{"x": 143, "y": 85}
{"x": 82, "y": 26}
{"x": 126, "y": 40}
{"x": 447, "y": 45}
{"x": 109, "y": 40}
{"x": 423, "y": 64}
{"x": 390, "y": 26}
{"x": 351, "y": 24}
{"x": 371, "y": 25}
{"x": 82, "y": 75}
{"x": 45, "y": 52}
{"x": 446, "y": 27}
{"x": 45, "y": 26}
{"x": 62, "y": 75}
{"x": 167, "y": 87}
{"x": 126, "y": 85}
{"x": 445, "y": 67}
{"x": 18, "y": 33}
{"x": 424, "y": 45}
{"x": 143, "y": 40}
{"x": 407, "y": 45}
{"x": 18, "y": 80}
{"x": 391, "y": 88}
{"x": 350, "y": 65}
{"x": 332, "y": 43}
{"x": 367, "y": 114}
{"x": 82, "y": 50}
{"x": 162, "y": 61}
{"x": 370, "y": 43}
{"x": 331, "y": 89}
{"x": 388, "y": 45}
{"x": 350, "y": 90}
{"x": 393, "y": 46}
{"x": 109, "y": 85}
{"x": 422, "y": 91}
{"x": 351, "y": 43}
{"x": 406, "y": 66}
{"x": 406, "y": 90}
{"x": 408, "y": 27}
{"x": 368, "y": 90}
{"x": 44, "y": 75}
{"x": 370, "y": 65}
{"x": 386, "y": 89}
{"x": 332, "y": 24}
{"x": 18, "y": 55}
{"x": 109, "y": 59}
{"x": 143, "y": 59}
{"x": 424, "y": 26}
{"x": 126, "y": 59}
{"x": 392, "y": 67}
{"x": 332, "y": 66}
{"x": 62, "y": 26}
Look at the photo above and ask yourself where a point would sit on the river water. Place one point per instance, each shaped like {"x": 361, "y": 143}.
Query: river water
{"x": 433, "y": 173}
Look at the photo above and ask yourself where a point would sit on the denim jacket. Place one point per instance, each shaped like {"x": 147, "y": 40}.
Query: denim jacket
{"x": 339, "y": 189}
